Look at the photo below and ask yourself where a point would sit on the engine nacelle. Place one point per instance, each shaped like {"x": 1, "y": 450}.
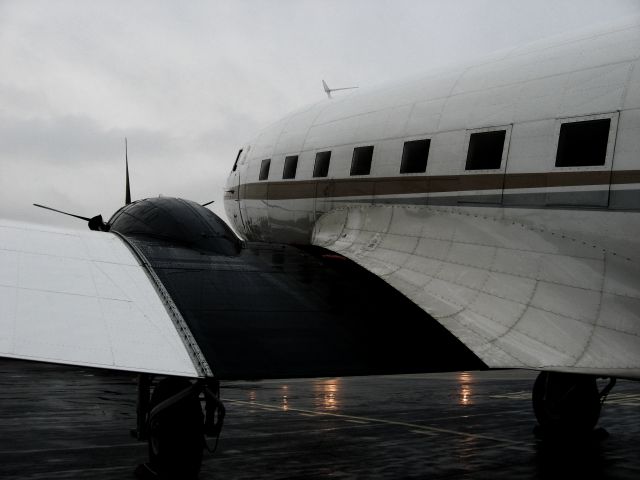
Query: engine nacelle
{"x": 176, "y": 220}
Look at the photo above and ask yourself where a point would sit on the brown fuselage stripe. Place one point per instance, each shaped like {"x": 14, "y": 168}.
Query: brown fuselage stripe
{"x": 370, "y": 186}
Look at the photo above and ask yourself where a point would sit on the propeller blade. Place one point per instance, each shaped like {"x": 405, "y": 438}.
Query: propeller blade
{"x": 127, "y": 196}
{"x": 208, "y": 203}
{"x": 95, "y": 223}
{"x": 60, "y": 211}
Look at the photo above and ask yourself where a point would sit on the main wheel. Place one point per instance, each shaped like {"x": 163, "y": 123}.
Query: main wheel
{"x": 176, "y": 431}
{"x": 566, "y": 403}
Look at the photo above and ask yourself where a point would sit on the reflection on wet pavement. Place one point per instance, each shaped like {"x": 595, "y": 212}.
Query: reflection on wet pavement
{"x": 327, "y": 395}
{"x": 465, "y": 379}
{"x": 471, "y": 425}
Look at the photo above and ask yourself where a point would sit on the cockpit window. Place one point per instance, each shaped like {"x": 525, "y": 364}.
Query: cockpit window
{"x": 235, "y": 164}
{"x": 264, "y": 169}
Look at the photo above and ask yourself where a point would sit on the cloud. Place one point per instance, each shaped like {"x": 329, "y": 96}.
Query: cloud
{"x": 189, "y": 83}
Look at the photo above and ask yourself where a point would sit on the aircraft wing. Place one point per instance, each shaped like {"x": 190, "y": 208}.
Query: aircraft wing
{"x": 150, "y": 303}
{"x": 83, "y": 298}
{"x": 517, "y": 294}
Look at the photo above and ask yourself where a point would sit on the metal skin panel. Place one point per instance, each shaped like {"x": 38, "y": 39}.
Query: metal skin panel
{"x": 276, "y": 311}
{"x": 82, "y": 298}
{"x": 559, "y": 77}
{"x": 548, "y": 276}
{"x": 517, "y": 292}
{"x": 533, "y": 88}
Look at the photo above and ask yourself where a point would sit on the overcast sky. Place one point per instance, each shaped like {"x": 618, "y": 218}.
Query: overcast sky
{"x": 189, "y": 82}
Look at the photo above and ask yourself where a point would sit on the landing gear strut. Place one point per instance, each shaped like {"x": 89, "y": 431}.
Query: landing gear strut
{"x": 567, "y": 403}
{"x": 172, "y": 421}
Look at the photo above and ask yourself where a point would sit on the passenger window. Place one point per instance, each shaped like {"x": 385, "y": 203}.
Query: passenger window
{"x": 264, "y": 169}
{"x": 321, "y": 167}
{"x": 290, "y": 167}
{"x": 583, "y": 144}
{"x": 235, "y": 164}
{"x": 414, "y": 156}
{"x": 485, "y": 150}
{"x": 361, "y": 160}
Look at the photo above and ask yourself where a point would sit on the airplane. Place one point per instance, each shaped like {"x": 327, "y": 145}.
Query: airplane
{"x": 484, "y": 216}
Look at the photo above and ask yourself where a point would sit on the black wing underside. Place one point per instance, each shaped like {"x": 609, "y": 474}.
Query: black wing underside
{"x": 276, "y": 311}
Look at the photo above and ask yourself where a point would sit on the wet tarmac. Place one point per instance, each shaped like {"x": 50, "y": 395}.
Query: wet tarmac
{"x": 61, "y": 422}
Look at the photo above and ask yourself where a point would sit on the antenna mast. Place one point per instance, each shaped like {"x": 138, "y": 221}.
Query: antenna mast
{"x": 127, "y": 195}
{"x": 328, "y": 90}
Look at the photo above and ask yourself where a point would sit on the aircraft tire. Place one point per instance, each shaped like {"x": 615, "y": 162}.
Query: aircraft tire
{"x": 565, "y": 403}
{"x": 176, "y": 434}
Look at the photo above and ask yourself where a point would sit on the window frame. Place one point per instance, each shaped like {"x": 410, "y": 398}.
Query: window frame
{"x": 505, "y": 149}
{"x": 611, "y": 140}
{"x": 287, "y": 160}
{"x": 315, "y": 164}
{"x": 235, "y": 164}
{"x": 402, "y": 157}
{"x": 353, "y": 155}
{"x": 260, "y": 169}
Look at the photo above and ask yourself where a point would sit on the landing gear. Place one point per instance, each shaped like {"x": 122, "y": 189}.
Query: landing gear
{"x": 568, "y": 404}
{"x": 172, "y": 422}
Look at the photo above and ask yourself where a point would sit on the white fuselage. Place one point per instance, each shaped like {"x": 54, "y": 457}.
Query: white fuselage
{"x": 502, "y": 198}
{"x": 528, "y": 93}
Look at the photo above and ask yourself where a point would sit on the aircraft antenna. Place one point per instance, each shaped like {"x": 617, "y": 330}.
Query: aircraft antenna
{"x": 328, "y": 90}
{"x": 127, "y": 196}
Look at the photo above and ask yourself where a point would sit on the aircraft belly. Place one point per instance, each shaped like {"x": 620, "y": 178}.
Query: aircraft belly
{"x": 278, "y": 311}
{"x": 516, "y": 294}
